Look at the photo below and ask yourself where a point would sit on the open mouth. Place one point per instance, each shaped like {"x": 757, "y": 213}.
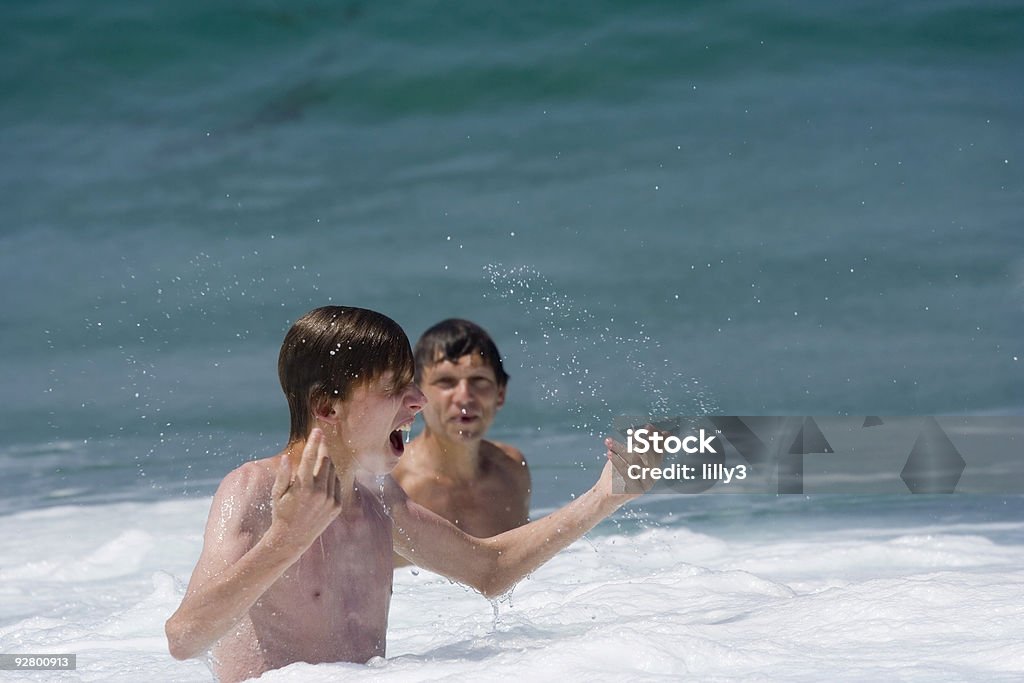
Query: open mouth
{"x": 399, "y": 437}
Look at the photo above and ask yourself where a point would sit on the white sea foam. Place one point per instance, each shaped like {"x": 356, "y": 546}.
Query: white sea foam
{"x": 912, "y": 602}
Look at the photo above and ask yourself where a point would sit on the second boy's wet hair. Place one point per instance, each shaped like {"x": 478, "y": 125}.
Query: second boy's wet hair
{"x": 331, "y": 350}
{"x": 454, "y": 338}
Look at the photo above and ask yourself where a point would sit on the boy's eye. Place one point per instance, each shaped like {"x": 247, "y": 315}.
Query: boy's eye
{"x": 393, "y": 388}
{"x": 445, "y": 383}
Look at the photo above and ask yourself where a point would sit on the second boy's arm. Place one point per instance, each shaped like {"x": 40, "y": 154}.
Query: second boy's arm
{"x": 493, "y": 565}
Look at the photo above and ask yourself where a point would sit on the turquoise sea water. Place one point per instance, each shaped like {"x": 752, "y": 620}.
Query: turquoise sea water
{"x": 731, "y": 207}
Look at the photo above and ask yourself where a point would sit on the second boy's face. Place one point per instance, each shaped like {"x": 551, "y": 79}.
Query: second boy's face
{"x": 462, "y": 397}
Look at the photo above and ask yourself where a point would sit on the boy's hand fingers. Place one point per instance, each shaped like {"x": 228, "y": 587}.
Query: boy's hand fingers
{"x": 322, "y": 460}
{"x": 331, "y": 478}
{"x": 283, "y": 480}
{"x": 620, "y": 460}
{"x": 308, "y": 465}
{"x": 617, "y": 454}
{"x": 620, "y": 451}
{"x": 614, "y": 445}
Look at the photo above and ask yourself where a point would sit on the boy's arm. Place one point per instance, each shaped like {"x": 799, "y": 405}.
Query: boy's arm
{"x": 493, "y": 565}
{"x": 236, "y": 568}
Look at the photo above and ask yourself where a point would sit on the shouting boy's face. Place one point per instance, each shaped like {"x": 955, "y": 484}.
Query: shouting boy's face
{"x": 462, "y": 397}
{"x": 373, "y": 419}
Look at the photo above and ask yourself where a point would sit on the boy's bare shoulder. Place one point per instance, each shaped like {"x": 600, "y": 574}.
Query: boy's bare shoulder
{"x": 513, "y": 455}
{"x": 512, "y": 477}
{"x": 252, "y": 477}
{"x": 509, "y": 460}
{"x": 249, "y": 489}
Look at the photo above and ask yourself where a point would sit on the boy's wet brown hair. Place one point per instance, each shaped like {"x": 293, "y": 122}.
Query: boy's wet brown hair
{"x": 454, "y": 338}
{"x": 330, "y": 351}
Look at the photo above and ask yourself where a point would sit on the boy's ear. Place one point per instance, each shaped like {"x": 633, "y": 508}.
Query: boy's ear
{"x": 325, "y": 410}
{"x": 501, "y": 395}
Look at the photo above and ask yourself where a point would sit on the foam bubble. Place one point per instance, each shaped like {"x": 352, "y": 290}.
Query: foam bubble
{"x": 899, "y": 599}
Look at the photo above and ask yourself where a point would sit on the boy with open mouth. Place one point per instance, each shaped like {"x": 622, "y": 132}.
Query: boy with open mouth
{"x": 296, "y": 563}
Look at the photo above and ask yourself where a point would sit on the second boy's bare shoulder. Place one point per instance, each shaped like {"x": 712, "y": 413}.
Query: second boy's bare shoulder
{"x": 513, "y": 457}
{"x": 507, "y": 461}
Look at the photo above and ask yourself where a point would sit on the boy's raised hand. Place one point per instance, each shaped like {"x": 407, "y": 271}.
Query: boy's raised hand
{"x": 616, "y": 479}
{"x": 308, "y": 498}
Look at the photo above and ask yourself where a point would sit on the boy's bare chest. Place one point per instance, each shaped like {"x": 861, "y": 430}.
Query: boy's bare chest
{"x": 483, "y": 508}
{"x": 346, "y": 562}
{"x": 333, "y": 602}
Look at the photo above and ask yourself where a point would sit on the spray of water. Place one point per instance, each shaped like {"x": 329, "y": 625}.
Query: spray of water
{"x": 569, "y": 334}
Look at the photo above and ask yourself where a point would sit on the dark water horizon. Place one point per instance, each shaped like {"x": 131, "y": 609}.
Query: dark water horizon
{"x": 732, "y": 208}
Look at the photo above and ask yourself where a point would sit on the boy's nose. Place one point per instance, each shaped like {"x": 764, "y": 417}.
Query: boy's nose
{"x": 415, "y": 398}
{"x": 462, "y": 392}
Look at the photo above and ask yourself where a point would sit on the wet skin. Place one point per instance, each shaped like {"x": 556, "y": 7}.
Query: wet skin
{"x": 481, "y": 486}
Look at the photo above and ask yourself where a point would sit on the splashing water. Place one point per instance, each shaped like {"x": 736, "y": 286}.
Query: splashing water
{"x": 582, "y": 335}
{"x": 506, "y": 598}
